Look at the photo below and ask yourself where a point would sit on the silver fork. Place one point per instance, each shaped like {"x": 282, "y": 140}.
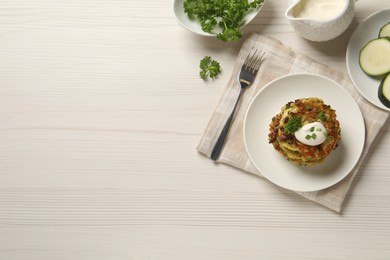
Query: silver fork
{"x": 246, "y": 77}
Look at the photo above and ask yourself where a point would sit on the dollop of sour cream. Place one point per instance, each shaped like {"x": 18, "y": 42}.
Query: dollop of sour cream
{"x": 312, "y": 134}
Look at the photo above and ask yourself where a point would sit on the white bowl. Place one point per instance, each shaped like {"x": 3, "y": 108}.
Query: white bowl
{"x": 193, "y": 25}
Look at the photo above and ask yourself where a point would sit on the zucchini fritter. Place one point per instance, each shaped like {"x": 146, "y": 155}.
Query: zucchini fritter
{"x": 309, "y": 110}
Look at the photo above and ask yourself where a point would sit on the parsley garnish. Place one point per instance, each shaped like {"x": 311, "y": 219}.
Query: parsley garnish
{"x": 209, "y": 67}
{"x": 293, "y": 125}
{"x": 227, "y": 14}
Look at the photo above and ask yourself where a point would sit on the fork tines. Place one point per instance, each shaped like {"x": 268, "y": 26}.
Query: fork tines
{"x": 253, "y": 60}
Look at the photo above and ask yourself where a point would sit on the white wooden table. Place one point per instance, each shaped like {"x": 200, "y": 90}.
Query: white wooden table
{"x": 101, "y": 109}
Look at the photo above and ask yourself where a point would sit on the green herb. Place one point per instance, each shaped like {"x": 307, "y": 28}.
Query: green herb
{"x": 312, "y": 129}
{"x": 319, "y": 129}
{"x": 209, "y": 67}
{"x": 314, "y": 136}
{"x": 227, "y": 14}
{"x": 293, "y": 124}
{"x": 322, "y": 116}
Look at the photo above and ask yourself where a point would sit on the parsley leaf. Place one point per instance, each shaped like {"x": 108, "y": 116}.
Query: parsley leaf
{"x": 228, "y": 15}
{"x": 293, "y": 125}
{"x": 209, "y": 67}
{"x": 229, "y": 34}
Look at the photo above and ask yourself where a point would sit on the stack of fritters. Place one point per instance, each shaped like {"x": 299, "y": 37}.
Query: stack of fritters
{"x": 310, "y": 110}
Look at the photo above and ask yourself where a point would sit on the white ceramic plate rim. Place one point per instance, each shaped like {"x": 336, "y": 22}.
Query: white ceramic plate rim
{"x": 365, "y": 31}
{"x": 268, "y": 102}
{"x": 194, "y": 26}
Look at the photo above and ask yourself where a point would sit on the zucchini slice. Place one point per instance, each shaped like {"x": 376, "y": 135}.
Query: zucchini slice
{"x": 384, "y": 91}
{"x": 374, "y": 57}
{"x": 385, "y": 30}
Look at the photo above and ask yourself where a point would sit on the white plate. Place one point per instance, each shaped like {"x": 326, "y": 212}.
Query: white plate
{"x": 367, "y": 30}
{"x": 194, "y": 25}
{"x": 268, "y": 102}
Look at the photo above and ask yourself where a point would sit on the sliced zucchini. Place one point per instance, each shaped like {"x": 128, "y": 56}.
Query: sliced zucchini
{"x": 385, "y": 31}
{"x": 374, "y": 57}
{"x": 384, "y": 91}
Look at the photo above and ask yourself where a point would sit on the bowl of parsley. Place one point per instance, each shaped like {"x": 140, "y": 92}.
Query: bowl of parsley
{"x": 221, "y": 18}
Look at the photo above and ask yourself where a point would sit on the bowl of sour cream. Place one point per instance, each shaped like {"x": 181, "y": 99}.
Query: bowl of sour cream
{"x": 320, "y": 20}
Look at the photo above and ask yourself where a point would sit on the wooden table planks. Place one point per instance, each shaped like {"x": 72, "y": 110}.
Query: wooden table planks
{"x": 101, "y": 109}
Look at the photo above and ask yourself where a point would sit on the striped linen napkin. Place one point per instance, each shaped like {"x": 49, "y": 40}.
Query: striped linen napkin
{"x": 282, "y": 60}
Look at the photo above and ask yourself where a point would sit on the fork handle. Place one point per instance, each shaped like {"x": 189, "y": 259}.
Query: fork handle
{"x": 222, "y": 137}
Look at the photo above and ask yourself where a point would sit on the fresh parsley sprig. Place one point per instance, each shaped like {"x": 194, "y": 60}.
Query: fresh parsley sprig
{"x": 209, "y": 68}
{"x": 293, "y": 125}
{"x": 227, "y": 14}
